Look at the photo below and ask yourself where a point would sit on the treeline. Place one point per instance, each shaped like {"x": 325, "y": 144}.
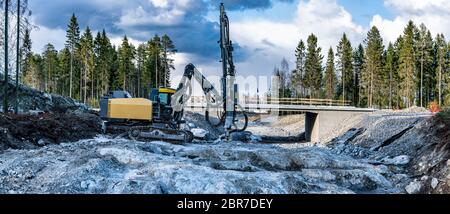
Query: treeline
{"x": 413, "y": 70}
{"x": 88, "y": 67}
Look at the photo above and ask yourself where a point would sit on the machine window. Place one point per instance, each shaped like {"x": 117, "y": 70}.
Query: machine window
{"x": 164, "y": 99}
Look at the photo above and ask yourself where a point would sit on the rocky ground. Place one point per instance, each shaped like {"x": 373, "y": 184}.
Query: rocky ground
{"x": 103, "y": 165}
{"x": 383, "y": 152}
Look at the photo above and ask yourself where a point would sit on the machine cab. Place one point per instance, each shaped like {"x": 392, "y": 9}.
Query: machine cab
{"x": 161, "y": 98}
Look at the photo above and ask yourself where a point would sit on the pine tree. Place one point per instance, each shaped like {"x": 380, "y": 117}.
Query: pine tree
{"x": 407, "y": 65}
{"x": 447, "y": 79}
{"x": 345, "y": 67}
{"x": 72, "y": 43}
{"x": 34, "y": 76}
{"x": 168, "y": 50}
{"x": 153, "y": 62}
{"x": 373, "y": 66}
{"x": 330, "y": 76}
{"x": 358, "y": 66}
{"x": 391, "y": 68}
{"x": 424, "y": 53}
{"x": 27, "y": 54}
{"x": 103, "y": 62}
{"x": 87, "y": 60}
{"x": 441, "y": 54}
{"x": 313, "y": 67}
{"x": 141, "y": 77}
{"x": 50, "y": 66}
{"x": 64, "y": 66}
{"x": 126, "y": 66}
{"x": 114, "y": 83}
{"x": 300, "y": 54}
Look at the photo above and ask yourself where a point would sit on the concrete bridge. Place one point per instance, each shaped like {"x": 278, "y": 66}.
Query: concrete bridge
{"x": 321, "y": 116}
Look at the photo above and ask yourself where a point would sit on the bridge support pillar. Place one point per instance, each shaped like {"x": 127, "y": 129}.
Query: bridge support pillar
{"x": 319, "y": 125}
{"x": 312, "y": 127}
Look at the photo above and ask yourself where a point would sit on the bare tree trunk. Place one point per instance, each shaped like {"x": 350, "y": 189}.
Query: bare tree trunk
{"x": 92, "y": 86}
{"x": 71, "y": 71}
{"x": 85, "y": 84}
{"x": 343, "y": 85}
{"x": 421, "y": 80}
{"x": 371, "y": 89}
{"x": 81, "y": 84}
{"x": 439, "y": 84}
{"x": 390, "y": 88}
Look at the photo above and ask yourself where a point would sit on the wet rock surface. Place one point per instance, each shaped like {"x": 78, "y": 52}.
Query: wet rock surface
{"x": 42, "y": 151}
{"x": 103, "y": 165}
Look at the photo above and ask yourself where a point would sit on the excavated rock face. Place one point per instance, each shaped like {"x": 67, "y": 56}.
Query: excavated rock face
{"x": 102, "y": 165}
{"x": 31, "y": 99}
{"x": 44, "y": 119}
{"x": 414, "y": 146}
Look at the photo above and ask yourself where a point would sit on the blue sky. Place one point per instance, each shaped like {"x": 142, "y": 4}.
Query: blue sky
{"x": 264, "y": 31}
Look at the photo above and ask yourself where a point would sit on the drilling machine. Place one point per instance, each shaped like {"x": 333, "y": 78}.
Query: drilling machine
{"x": 161, "y": 114}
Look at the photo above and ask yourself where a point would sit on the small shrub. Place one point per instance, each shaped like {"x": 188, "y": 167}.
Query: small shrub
{"x": 434, "y": 107}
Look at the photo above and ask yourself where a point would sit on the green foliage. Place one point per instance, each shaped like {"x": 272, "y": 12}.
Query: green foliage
{"x": 372, "y": 75}
{"x": 313, "y": 67}
{"x": 89, "y": 67}
{"x": 330, "y": 76}
{"x": 358, "y": 66}
{"x": 345, "y": 67}
{"x": 407, "y": 66}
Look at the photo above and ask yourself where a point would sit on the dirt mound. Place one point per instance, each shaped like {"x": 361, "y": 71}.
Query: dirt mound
{"x": 415, "y": 109}
{"x": 28, "y": 131}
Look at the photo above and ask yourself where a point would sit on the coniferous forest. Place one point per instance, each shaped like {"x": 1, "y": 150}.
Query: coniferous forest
{"x": 90, "y": 65}
{"x": 414, "y": 70}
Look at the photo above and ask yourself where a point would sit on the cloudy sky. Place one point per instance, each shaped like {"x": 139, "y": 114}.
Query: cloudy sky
{"x": 264, "y": 31}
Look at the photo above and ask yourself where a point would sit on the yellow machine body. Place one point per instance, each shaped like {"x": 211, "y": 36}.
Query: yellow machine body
{"x": 130, "y": 109}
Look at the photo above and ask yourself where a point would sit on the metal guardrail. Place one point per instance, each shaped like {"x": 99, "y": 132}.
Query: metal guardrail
{"x": 280, "y": 101}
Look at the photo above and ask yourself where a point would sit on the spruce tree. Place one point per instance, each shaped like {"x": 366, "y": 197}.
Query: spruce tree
{"x": 345, "y": 67}
{"x": 72, "y": 43}
{"x": 407, "y": 65}
{"x": 373, "y": 66}
{"x": 26, "y": 53}
{"x": 126, "y": 66}
{"x": 153, "y": 63}
{"x": 300, "y": 54}
{"x": 391, "y": 69}
{"x": 64, "y": 66}
{"x": 313, "y": 67}
{"x": 141, "y": 78}
{"x": 424, "y": 55}
{"x": 50, "y": 68}
{"x": 87, "y": 61}
{"x": 358, "y": 65}
{"x": 441, "y": 54}
{"x": 168, "y": 50}
{"x": 330, "y": 76}
{"x": 103, "y": 62}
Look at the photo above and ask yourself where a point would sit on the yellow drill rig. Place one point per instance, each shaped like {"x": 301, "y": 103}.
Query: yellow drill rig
{"x": 160, "y": 115}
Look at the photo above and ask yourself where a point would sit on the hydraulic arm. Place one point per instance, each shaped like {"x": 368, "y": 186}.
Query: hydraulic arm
{"x": 227, "y": 100}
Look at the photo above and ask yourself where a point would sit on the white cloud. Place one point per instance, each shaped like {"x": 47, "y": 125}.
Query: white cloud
{"x": 270, "y": 41}
{"x": 163, "y": 12}
{"x": 435, "y": 14}
{"x": 43, "y": 35}
{"x": 117, "y": 41}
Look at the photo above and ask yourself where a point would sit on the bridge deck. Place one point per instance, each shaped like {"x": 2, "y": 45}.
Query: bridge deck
{"x": 281, "y": 107}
